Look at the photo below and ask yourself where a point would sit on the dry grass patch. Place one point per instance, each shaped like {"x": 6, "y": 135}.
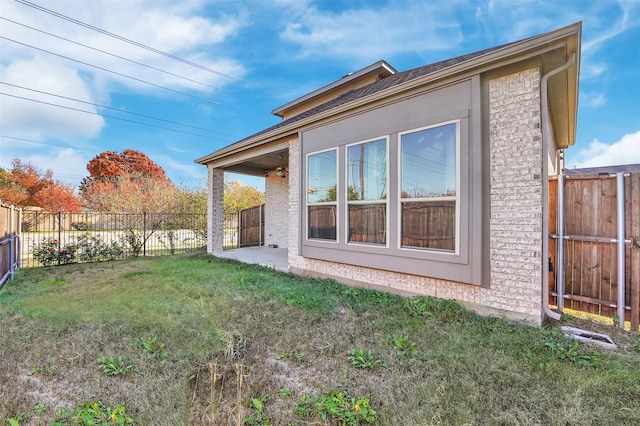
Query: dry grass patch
{"x": 218, "y": 342}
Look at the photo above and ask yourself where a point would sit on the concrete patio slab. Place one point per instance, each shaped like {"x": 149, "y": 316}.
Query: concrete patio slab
{"x": 275, "y": 258}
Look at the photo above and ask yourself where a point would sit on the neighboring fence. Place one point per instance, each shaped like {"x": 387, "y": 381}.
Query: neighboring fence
{"x": 9, "y": 242}
{"x": 590, "y": 267}
{"x": 244, "y": 228}
{"x": 56, "y": 238}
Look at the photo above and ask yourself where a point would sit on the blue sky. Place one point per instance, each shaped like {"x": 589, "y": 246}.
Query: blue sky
{"x": 254, "y": 56}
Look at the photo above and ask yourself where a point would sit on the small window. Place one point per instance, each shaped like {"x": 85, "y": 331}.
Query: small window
{"x": 429, "y": 187}
{"x": 322, "y": 186}
{"x": 367, "y": 192}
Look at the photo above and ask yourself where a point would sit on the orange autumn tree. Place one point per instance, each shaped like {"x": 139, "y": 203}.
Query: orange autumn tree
{"x": 127, "y": 182}
{"x": 24, "y": 185}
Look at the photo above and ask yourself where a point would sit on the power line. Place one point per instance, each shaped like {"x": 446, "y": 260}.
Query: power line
{"x": 104, "y": 115}
{"x": 134, "y": 159}
{"x": 47, "y": 143}
{"x": 117, "y": 109}
{"x": 142, "y": 158}
{"x": 127, "y": 40}
{"x": 110, "y": 54}
{"x": 111, "y": 71}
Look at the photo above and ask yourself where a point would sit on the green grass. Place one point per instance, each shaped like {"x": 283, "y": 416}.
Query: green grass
{"x": 236, "y": 335}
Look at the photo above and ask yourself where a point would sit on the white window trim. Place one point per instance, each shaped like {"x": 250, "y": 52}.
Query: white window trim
{"x": 322, "y": 203}
{"x": 399, "y": 246}
{"x": 362, "y": 202}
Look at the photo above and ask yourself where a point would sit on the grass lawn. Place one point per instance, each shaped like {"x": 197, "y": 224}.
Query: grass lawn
{"x": 192, "y": 339}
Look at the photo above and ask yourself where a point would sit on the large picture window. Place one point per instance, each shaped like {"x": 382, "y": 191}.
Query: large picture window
{"x": 322, "y": 187}
{"x": 429, "y": 187}
{"x": 367, "y": 192}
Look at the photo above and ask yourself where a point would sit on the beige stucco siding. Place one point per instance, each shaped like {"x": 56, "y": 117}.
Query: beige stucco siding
{"x": 515, "y": 174}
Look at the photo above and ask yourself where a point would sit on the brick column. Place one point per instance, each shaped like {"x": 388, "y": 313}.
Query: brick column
{"x": 516, "y": 193}
{"x": 294, "y": 203}
{"x": 215, "y": 210}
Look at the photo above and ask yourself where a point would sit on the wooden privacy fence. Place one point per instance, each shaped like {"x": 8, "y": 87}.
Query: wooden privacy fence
{"x": 251, "y": 226}
{"x": 9, "y": 242}
{"x": 589, "y": 239}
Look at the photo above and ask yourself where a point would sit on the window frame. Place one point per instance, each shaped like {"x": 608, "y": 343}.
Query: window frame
{"x": 384, "y": 201}
{"x": 335, "y": 203}
{"x": 401, "y": 200}
{"x": 454, "y": 101}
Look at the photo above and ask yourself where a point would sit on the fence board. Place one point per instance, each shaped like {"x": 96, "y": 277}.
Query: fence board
{"x": 590, "y": 267}
{"x": 633, "y": 231}
{"x": 9, "y": 242}
{"x": 251, "y": 223}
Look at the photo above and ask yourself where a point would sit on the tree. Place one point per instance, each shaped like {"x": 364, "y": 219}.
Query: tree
{"x": 128, "y": 182}
{"x": 238, "y": 197}
{"x": 24, "y": 185}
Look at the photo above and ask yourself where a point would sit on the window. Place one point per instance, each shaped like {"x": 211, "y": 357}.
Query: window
{"x": 367, "y": 192}
{"x": 429, "y": 188}
{"x": 411, "y": 181}
{"x": 322, "y": 186}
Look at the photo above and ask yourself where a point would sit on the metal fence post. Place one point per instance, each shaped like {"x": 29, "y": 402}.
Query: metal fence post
{"x": 144, "y": 233}
{"x": 12, "y": 241}
{"x": 620, "y": 247}
{"x": 59, "y": 234}
{"x": 20, "y": 220}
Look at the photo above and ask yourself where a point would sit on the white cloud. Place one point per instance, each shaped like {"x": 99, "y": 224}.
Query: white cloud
{"x": 375, "y": 33}
{"x": 172, "y": 27}
{"x": 593, "y": 70}
{"x": 594, "y": 100}
{"x": 611, "y": 29}
{"x": 25, "y": 118}
{"x": 67, "y": 164}
{"x": 597, "y": 154}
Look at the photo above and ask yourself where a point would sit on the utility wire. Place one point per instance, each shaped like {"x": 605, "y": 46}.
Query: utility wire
{"x": 140, "y": 159}
{"x": 127, "y": 40}
{"x": 103, "y": 115}
{"x": 111, "y": 71}
{"x": 110, "y": 54}
{"x": 116, "y": 109}
{"x": 47, "y": 143}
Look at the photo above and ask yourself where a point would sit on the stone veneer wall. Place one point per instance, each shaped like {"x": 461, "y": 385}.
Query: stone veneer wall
{"x": 515, "y": 255}
{"x": 276, "y": 210}
{"x": 215, "y": 210}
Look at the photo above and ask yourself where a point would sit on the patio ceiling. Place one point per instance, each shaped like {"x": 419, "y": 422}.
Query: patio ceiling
{"x": 260, "y": 165}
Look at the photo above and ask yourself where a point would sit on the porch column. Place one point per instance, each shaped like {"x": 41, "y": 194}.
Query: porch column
{"x": 215, "y": 210}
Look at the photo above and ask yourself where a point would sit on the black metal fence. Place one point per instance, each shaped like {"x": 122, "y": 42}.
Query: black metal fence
{"x": 60, "y": 238}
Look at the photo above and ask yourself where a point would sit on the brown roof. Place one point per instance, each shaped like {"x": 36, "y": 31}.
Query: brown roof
{"x": 385, "y": 83}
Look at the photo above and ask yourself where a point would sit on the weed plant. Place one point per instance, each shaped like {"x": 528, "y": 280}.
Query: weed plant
{"x": 220, "y": 342}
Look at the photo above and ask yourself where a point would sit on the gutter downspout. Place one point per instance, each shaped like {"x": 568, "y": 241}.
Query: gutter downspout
{"x": 545, "y": 186}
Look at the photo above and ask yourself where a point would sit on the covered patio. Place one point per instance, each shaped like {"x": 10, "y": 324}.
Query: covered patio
{"x": 270, "y": 257}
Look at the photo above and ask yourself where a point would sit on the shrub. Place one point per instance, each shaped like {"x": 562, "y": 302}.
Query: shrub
{"x": 81, "y": 226}
{"x": 49, "y": 252}
{"x": 87, "y": 248}
{"x": 133, "y": 242}
{"x": 92, "y": 248}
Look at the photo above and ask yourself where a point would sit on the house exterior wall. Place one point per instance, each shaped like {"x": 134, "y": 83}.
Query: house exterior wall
{"x": 276, "y": 211}
{"x": 215, "y": 210}
{"x": 515, "y": 214}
